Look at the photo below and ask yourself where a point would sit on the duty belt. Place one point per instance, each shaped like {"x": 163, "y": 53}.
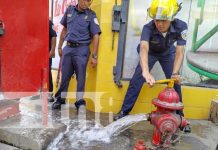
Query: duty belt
{"x": 75, "y": 44}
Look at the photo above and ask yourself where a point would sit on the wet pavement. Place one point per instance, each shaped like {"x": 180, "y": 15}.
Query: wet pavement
{"x": 33, "y": 126}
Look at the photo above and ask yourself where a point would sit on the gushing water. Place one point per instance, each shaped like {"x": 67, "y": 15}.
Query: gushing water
{"x": 124, "y": 123}
{"x": 99, "y": 133}
{"x": 89, "y": 133}
{"x": 105, "y": 133}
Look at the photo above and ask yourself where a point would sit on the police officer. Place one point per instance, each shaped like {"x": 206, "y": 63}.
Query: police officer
{"x": 163, "y": 40}
{"x": 80, "y": 26}
{"x": 52, "y": 45}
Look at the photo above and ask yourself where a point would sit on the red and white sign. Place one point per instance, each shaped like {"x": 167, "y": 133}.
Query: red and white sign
{"x": 59, "y": 7}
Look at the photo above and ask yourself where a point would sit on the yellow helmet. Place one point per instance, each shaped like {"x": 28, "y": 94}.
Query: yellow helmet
{"x": 163, "y": 9}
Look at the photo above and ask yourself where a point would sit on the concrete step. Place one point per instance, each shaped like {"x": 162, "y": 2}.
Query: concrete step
{"x": 28, "y": 129}
{"x": 23, "y": 132}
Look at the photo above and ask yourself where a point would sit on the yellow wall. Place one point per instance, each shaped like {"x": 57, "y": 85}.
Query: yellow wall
{"x": 108, "y": 97}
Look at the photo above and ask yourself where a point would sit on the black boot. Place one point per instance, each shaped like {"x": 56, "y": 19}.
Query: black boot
{"x": 57, "y": 104}
{"x": 79, "y": 103}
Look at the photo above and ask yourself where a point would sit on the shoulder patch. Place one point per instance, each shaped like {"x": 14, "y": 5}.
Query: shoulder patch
{"x": 96, "y": 21}
{"x": 184, "y": 34}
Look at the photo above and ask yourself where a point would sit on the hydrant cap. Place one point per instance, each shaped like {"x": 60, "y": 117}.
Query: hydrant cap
{"x": 168, "y": 99}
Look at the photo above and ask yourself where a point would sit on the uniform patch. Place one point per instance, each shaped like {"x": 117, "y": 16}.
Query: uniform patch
{"x": 96, "y": 21}
{"x": 184, "y": 34}
{"x": 69, "y": 15}
{"x": 86, "y": 17}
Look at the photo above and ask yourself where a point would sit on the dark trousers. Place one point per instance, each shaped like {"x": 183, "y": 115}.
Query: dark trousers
{"x": 72, "y": 63}
{"x": 137, "y": 80}
{"x": 50, "y": 76}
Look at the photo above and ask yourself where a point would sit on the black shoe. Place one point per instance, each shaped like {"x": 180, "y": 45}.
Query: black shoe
{"x": 62, "y": 102}
{"x": 57, "y": 104}
{"x": 79, "y": 103}
{"x": 120, "y": 115}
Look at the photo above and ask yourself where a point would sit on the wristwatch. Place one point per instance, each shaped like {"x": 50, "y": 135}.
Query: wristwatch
{"x": 94, "y": 56}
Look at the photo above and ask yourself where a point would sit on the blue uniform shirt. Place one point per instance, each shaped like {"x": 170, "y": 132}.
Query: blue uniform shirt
{"x": 81, "y": 26}
{"x": 52, "y": 33}
{"x": 159, "y": 44}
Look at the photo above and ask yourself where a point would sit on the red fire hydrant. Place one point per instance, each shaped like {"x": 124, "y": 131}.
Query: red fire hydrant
{"x": 165, "y": 119}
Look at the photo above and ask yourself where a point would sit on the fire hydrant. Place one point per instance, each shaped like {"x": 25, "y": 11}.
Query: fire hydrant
{"x": 164, "y": 118}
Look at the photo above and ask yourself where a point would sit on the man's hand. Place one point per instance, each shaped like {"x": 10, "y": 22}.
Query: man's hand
{"x": 149, "y": 78}
{"x": 61, "y": 40}
{"x": 177, "y": 77}
{"x": 52, "y": 54}
{"x": 60, "y": 51}
{"x": 94, "y": 62}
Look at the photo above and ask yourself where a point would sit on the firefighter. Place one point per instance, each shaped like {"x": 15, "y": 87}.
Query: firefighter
{"x": 163, "y": 40}
{"x": 80, "y": 26}
{"x": 52, "y": 45}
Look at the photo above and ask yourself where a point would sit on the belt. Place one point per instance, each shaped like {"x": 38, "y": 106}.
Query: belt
{"x": 75, "y": 44}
